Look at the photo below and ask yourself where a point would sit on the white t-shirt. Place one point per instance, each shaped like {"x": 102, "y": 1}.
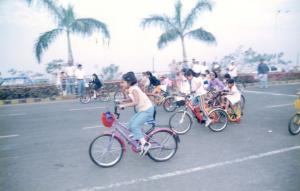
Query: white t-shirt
{"x": 144, "y": 102}
{"x": 70, "y": 71}
{"x": 196, "y": 68}
{"x": 198, "y": 86}
{"x": 232, "y": 70}
{"x": 235, "y": 97}
{"x": 79, "y": 74}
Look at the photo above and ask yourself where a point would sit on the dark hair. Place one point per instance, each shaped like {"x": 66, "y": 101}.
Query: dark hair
{"x": 130, "y": 78}
{"x": 149, "y": 73}
{"x": 95, "y": 75}
{"x": 215, "y": 73}
{"x": 227, "y": 76}
{"x": 230, "y": 81}
{"x": 207, "y": 72}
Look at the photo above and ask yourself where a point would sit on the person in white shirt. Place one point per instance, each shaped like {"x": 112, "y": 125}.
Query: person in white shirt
{"x": 196, "y": 67}
{"x": 233, "y": 95}
{"x": 70, "y": 79}
{"x": 80, "y": 80}
{"x": 232, "y": 70}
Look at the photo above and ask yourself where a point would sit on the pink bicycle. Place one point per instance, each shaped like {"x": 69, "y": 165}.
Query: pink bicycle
{"x": 107, "y": 149}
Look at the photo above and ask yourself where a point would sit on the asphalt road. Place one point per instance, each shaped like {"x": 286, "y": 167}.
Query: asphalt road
{"x": 44, "y": 147}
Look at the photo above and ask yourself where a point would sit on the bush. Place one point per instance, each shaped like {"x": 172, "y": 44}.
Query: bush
{"x": 22, "y": 92}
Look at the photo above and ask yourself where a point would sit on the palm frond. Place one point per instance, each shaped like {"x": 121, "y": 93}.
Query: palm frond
{"x": 167, "y": 37}
{"x": 201, "y": 34}
{"x": 69, "y": 17}
{"x": 44, "y": 41}
{"x": 156, "y": 20}
{"x": 178, "y": 8}
{"x": 86, "y": 26}
{"x": 51, "y": 5}
{"x": 192, "y": 16}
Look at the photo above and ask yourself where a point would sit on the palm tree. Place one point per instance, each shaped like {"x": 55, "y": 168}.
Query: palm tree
{"x": 68, "y": 24}
{"x": 180, "y": 27}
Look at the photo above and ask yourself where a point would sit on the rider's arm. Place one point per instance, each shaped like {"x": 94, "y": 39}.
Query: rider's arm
{"x": 133, "y": 102}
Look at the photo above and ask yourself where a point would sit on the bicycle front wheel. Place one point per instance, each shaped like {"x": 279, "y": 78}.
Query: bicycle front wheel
{"x": 294, "y": 124}
{"x": 85, "y": 98}
{"x": 105, "y": 96}
{"x": 169, "y": 104}
{"x": 180, "y": 122}
{"x": 219, "y": 120}
{"x": 106, "y": 150}
{"x": 163, "y": 145}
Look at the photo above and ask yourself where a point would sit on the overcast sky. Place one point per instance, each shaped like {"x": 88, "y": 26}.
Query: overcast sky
{"x": 251, "y": 23}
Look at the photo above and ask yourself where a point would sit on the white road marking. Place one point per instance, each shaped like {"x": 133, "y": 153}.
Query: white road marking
{"x": 12, "y": 114}
{"x": 91, "y": 127}
{"x": 190, "y": 170}
{"x": 282, "y": 105}
{"x": 8, "y": 136}
{"x": 86, "y": 108}
{"x": 270, "y": 93}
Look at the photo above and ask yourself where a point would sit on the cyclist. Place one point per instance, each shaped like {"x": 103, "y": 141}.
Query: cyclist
{"x": 232, "y": 94}
{"x": 96, "y": 84}
{"x": 143, "y": 105}
{"x": 155, "y": 83}
{"x": 196, "y": 86}
{"x": 215, "y": 83}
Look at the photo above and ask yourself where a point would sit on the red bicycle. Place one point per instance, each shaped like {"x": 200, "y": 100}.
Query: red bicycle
{"x": 181, "y": 121}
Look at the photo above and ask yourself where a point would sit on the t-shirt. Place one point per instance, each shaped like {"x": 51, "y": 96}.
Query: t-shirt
{"x": 232, "y": 70}
{"x": 144, "y": 102}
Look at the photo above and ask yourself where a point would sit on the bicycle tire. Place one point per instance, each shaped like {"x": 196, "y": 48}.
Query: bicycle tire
{"x": 95, "y": 159}
{"x": 85, "y": 98}
{"x": 155, "y": 140}
{"x": 169, "y": 104}
{"x": 183, "y": 129}
{"x": 215, "y": 115}
{"x": 294, "y": 124}
{"x": 119, "y": 95}
{"x": 104, "y": 96}
{"x": 243, "y": 102}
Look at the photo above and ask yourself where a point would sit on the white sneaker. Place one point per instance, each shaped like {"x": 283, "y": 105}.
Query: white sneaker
{"x": 145, "y": 148}
{"x": 207, "y": 122}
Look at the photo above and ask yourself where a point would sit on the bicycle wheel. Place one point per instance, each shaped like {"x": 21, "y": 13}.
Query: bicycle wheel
{"x": 119, "y": 95}
{"x": 163, "y": 146}
{"x": 86, "y": 98}
{"x": 169, "y": 104}
{"x": 105, "y": 150}
{"x": 180, "y": 122}
{"x": 294, "y": 124}
{"x": 104, "y": 96}
{"x": 243, "y": 102}
{"x": 219, "y": 120}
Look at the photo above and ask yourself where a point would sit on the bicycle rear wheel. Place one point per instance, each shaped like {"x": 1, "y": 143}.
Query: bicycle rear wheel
{"x": 169, "y": 104}
{"x": 180, "y": 122}
{"x": 106, "y": 150}
{"x": 163, "y": 145}
{"x": 219, "y": 120}
{"x": 294, "y": 124}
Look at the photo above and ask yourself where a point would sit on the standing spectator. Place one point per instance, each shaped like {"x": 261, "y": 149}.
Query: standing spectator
{"x": 262, "y": 71}
{"x": 173, "y": 68}
{"x": 216, "y": 68}
{"x": 196, "y": 67}
{"x": 204, "y": 67}
{"x": 70, "y": 81}
{"x": 232, "y": 70}
{"x": 63, "y": 79}
{"x": 80, "y": 80}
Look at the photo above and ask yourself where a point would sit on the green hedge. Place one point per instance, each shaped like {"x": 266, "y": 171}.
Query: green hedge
{"x": 22, "y": 92}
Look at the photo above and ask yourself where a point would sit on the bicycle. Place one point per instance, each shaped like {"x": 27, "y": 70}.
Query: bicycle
{"x": 102, "y": 95}
{"x": 294, "y": 123}
{"x": 112, "y": 145}
{"x": 234, "y": 112}
{"x": 181, "y": 121}
{"x": 164, "y": 99}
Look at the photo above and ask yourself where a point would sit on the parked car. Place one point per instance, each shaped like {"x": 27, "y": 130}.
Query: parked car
{"x": 14, "y": 81}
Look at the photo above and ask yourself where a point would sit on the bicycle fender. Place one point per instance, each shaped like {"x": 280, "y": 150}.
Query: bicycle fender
{"x": 119, "y": 139}
{"x": 157, "y": 129}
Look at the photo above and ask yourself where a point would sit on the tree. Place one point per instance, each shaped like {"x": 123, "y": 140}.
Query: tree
{"x": 66, "y": 23}
{"x": 110, "y": 72}
{"x": 177, "y": 27}
{"x": 54, "y": 66}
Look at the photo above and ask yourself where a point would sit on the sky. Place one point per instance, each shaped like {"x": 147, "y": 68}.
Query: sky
{"x": 251, "y": 23}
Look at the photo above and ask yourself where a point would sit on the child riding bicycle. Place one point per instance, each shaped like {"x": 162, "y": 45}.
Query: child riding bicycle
{"x": 232, "y": 94}
{"x": 143, "y": 105}
{"x": 96, "y": 85}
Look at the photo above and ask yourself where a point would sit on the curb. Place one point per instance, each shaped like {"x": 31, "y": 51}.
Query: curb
{"x": 274, "y": 82}
{"x": 35, "y": 100}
